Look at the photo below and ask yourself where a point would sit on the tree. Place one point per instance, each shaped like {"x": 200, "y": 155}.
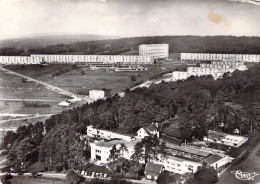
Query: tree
{"x": 205, "y": 175}
{"x": 74, "y": 178}
{"x": 166, "y": 178}
{"x": 149, "y": 149}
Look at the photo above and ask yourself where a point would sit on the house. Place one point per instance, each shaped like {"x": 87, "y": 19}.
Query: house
{"x": 96, "y": 94}
{"x": 152, "y": 170}
{"x": 148, "y": 131}
{"x": 98, "y": 172}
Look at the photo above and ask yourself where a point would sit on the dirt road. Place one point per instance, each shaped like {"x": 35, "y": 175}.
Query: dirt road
{"x": 49, "y": 86}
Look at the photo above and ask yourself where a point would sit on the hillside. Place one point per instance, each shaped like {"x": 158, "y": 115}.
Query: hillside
{"x": 177, "y": 44}
{"x": 44, "y": 41}
{"x": 210, "y": 104}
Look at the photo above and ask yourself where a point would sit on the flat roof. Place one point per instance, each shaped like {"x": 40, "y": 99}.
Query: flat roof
{"x": 112, "y": 142}
{"x": 187, "y": 150}
{"x": 212, "y": 159}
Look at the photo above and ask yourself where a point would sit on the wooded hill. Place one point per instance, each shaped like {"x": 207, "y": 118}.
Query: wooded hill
{"x": 198, "y": 103}
{"x": 177, "y": 44}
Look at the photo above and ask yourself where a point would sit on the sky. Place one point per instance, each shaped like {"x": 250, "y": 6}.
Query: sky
{"x": 20, "y": 18}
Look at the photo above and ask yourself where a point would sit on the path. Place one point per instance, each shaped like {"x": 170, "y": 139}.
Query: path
{"x": 48, "y": 86}
{"x": 23, "y": 117}
{"x": 27, "y": 100}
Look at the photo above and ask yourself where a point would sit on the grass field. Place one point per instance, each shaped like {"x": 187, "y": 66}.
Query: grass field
{"x": 32, "y": 180}
{"x": 75, "y": 82}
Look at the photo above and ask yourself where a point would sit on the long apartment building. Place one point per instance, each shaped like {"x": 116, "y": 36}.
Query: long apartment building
{"x": 20, "y": 60}
{"x": 154, "y": 50}
{"x": 216, "y": 69}
{"x": 179, "y": 159}
{"x": 93, "y": 60}
{"x": 217, "y": 57}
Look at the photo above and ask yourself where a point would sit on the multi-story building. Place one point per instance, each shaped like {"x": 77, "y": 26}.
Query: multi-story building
{"x": 178, "y": 159}
{"x": 216, "y": 69}
{"x": 154, "y": 50}
{"x": 92, "y": 60}
{"x": 217, "y": 57}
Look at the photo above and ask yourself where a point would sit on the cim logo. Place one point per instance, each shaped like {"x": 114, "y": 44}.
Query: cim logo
{"x": 244, "y": 175}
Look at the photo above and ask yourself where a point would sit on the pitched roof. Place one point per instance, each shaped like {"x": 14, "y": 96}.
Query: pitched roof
{"x": 212, "y": 159}
{"x": 150, "y": 128}
{"x": 99, "y": 169}
{"x": 153, "y": 169}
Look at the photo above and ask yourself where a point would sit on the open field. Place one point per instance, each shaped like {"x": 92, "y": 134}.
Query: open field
{"x": 32, "y": 180}
{"x": 74, "y": 81}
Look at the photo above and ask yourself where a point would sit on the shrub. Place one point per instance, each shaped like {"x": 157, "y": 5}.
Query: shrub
{"x": 74, "y": 178}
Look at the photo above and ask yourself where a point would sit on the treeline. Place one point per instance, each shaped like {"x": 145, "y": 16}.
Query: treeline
{"x": 177, "y": 44}
{"x": 198, "y": 104}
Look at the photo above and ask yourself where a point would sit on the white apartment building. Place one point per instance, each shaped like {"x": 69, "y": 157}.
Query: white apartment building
{"x": 226, "y": 139}
{"x": 81, "y": 59}
{"x": 98, "y": 59}
{"x": 216, "y": 69}
{"x": 105, "y": 134}
{"x": 217, "y": 57}
{"x": 97, "y": 94}
{"x": 154, "y": 50}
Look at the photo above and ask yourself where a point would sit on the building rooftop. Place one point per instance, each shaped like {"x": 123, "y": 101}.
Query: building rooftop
{"x": 112, "y": 142}
{"x": 211, "y": 159}
{"x": 99, "y": 169}
{"x": 187, "y": 150}
{"x": 181, "y": 159}
{"x": 153, "y": 169}
{"x": 150, "y": 128}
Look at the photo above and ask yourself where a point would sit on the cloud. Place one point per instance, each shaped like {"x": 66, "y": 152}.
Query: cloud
{"x": 27, "y": 17}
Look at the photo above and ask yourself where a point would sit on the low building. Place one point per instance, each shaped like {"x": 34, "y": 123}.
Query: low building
{"x": 226, "y": 139}
{"x": 152, "y": 170}
{"x": 105, "y": 134}
{"x": 97, "y": 172}
{"x": 64, "y": 104}
{"x": 96, "y": 94}
{"x": 147, "y": 131}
